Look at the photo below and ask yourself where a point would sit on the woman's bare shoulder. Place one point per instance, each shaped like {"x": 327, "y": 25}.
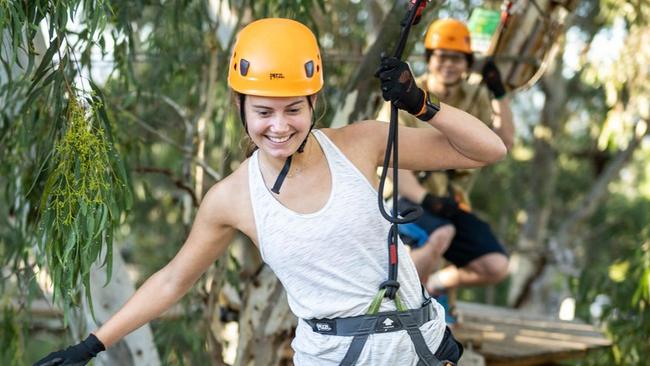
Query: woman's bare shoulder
{"x": 364, "y": 138}
{"x": 229, "y": 193}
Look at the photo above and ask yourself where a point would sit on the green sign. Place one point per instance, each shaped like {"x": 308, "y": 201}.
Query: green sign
{"x": 482, "y": 24}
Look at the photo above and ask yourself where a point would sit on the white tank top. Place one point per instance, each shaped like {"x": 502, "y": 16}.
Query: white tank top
{"x": 332, "y": 261}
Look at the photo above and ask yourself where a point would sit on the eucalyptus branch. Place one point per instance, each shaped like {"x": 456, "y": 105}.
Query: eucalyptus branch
{"x": 177, "y": 108}
{"x": 154, "y": 131}
{"x": 210, "y": 171}
{"x": 177, "y": 182}
{"x": 171, "y": 103}
{"x": 598, "y": 190}
{"x": 66, "y": 82}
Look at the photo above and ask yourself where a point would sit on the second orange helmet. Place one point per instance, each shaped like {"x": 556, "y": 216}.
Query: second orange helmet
{"x": 448, "y": 34}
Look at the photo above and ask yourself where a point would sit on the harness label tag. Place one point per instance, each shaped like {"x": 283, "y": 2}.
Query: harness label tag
{"x": 388, "y": 323}
{"x": 325, "y": 326}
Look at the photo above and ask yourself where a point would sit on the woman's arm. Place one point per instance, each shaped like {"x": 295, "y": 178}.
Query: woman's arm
{"x": 471, "y": 145}
{"x": 466, "y": 134}
{"x": 458, "y": 139}
{"x": 207, "y": 241}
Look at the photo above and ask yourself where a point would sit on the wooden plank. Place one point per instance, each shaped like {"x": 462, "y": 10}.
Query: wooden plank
{"x": 511, "y": 337}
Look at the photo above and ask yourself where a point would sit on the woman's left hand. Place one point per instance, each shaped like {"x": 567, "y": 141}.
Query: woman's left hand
{"x": 78, "y": 355}
{"x": 398, "y": 85}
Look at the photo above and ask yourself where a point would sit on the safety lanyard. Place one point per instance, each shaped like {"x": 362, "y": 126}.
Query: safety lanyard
{"x": 390, "y": 287}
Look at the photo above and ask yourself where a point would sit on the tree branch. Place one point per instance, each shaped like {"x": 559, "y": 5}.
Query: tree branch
{"x": 179, "y": 183}
{"x": 598, "y": 191}
{"x": 211, "y": 172}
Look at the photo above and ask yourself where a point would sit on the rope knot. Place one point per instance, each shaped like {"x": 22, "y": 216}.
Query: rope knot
{"x": 391, "y": 287}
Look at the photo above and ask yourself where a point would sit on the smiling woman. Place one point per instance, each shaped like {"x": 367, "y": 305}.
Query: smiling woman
{"x": 322, "y": 234}
{"x": 277, "y": 69}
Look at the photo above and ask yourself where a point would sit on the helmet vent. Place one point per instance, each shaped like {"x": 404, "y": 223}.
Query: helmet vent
{"x": 243, "y": 67}
{"x": 309, "y": 68}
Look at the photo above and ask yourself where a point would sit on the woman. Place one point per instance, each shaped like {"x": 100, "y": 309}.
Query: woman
{"x": 308, "y": 202}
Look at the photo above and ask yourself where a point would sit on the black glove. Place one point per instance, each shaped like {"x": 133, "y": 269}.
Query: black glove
{"x": 77, "y": 355}
{"x": 440, "y": 206}
{"x": 492, "y": 78}
{"x": 399, "y": 87}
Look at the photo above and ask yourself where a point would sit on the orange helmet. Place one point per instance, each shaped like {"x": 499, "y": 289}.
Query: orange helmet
{"x": 276, "y": 57}
{"x": 448, "y": 34}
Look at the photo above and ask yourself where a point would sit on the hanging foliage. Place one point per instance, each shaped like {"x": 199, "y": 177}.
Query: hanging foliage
{"x": 84, "y": 195}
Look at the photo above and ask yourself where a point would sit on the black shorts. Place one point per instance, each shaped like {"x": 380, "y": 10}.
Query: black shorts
{"x": 473, "y": 238}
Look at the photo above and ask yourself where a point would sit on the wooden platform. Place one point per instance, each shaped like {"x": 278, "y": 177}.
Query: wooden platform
{"x": 506, "y": 336}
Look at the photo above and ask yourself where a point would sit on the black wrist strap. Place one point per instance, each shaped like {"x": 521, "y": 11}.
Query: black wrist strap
{"x": 430, "y": 108}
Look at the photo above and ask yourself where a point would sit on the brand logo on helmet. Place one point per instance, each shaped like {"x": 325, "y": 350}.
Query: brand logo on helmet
{"x": 276, "y": 75}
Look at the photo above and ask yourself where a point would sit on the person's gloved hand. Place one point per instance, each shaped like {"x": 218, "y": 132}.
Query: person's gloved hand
{"x": 492, "y": 78}
{"x": 78, "y": 355}
{"x": 440, "y": 206}
{"x": 398, "y": 85}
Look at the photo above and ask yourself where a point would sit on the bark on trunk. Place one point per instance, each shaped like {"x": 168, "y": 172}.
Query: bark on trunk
{"x": 266, "y": 324}
{"x": 528, "y": 259}
{"x": 137, "y": 348}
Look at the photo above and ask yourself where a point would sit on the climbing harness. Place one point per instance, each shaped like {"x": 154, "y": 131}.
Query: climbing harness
{"x": 410, "y": 320}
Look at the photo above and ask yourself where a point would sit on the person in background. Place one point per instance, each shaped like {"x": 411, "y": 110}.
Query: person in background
{"x": 448, "y": 228}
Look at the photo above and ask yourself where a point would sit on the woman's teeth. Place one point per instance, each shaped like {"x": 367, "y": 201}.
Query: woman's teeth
{"x": 278, "y": 139}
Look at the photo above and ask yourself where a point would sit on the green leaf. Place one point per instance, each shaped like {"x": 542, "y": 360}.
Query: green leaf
{"x": 46, "y": 64}
{"x": 83, "y": 208}
{"x": 642, "y": 292}
{"x": 103, "y": 217}
{"x": 108, "y": 261}
{"x": 38, "y": 172}
{"x": 90, "y": 226}
{"x": 70, "y": 246}
{"x": 89, "y": 299}
{"x": 51, "y": 180}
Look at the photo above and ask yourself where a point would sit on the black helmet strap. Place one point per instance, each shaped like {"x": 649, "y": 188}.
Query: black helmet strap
{"x": 287, "y": 163}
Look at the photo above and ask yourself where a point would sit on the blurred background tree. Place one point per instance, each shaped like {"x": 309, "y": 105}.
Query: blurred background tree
{"x": 116, "y": 118}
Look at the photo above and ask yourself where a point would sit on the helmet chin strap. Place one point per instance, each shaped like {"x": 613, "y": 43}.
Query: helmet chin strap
{"x": 287, "y": 163}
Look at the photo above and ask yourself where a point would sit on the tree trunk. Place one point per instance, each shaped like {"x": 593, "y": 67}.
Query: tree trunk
{"x": 543, "y": 259}
{"x": 266, "y": 324}
{"x": 137, "y": 348}
{"x": 564, "y": 252}
{"x": 530, "y": 255}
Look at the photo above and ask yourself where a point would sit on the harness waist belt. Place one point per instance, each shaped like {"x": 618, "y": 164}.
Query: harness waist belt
{"x": 384, "y": 322}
